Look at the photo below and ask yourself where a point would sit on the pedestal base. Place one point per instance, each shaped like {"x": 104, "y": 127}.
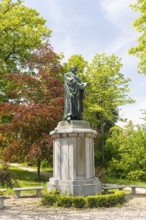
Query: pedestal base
{"x": 73, "y": 159}
{"x": 76, "y": 188}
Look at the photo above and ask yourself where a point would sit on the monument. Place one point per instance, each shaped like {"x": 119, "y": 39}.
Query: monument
{"x": 73, "y": 145}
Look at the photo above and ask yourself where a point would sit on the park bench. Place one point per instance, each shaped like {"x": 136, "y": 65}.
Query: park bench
{"x": 37, "y": 188}
{"x": 107, "y": 188}
{"x": 3, "y": 190}
{"x": 133, "y": 188}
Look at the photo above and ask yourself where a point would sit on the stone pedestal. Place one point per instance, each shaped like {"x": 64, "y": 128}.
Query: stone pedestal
{"x": 73, "y": 159}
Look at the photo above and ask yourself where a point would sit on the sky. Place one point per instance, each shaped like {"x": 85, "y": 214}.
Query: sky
{"x": 96, "y": 26}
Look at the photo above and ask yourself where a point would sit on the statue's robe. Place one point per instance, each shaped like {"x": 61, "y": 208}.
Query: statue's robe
{"x": 74, "y": 92}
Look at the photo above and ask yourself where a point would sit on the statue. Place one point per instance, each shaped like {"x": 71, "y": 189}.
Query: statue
{"x": 74, "y": 94}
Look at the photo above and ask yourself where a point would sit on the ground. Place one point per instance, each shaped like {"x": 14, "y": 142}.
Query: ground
{"x": 29, "y": 208}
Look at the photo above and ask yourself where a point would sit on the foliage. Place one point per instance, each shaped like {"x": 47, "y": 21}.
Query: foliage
{"x": 128, "y": 159}
{"x": 106, "y": 200}
{"x": 137, "y": 175}
{"x": 47, "y": 163}
{"x": 100, "y": 172}
{"x": 5, "y": 179}
{"x": 51, "y": 199}
{"x": 21, "y": 30}
{"x": 33, "y": 108}
{"x": 139, "y": 24}
{"x": 106, "y": 91}
{"x": 79, "y": 202}
{"x": 92, "y": 201}
{"x": 23, "y": 178}
{"x": 64, "y": 201}
{"x": 78, "y": 61}
{"x": 1, "y": 193}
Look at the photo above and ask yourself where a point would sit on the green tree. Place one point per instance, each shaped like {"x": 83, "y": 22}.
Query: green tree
{"x": 21, "y": 30}
{"x": 128, "y": 159}
{"x": 140, "y": 25}
{"x": 78, "y": 61}
{"x": 107, "y": 90}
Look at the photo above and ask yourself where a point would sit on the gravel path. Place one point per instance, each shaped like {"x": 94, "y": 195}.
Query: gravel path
{"x": 30, "y": 209}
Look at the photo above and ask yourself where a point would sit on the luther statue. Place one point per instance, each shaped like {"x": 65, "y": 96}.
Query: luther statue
{"x": 73, "y": 95}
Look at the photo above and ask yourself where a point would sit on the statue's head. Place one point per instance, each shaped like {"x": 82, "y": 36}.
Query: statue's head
{"x": 73, "y": 69}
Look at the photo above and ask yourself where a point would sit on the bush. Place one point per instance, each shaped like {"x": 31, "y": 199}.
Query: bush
{"x": 79, "y": 202}
{"x": 1, "y": 193}
{"x": 49, "y": 199}
{"x": 137, "y": 175}
{"x": 5, "y": 179}
{"x": 105, "y": 200}
{"x": 64, "y": 201}
{"x": 92, "y": 202}
{"x": 46, "y": 163}
{"x": 55, "y": 199}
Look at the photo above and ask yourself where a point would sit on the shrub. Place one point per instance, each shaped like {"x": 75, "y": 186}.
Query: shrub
{"x": 1, "y": 193}
{"x": 79, "y": 202}
{"x": 64, "y": 201}
{"x": 53, "y": 199}
{"x": 5, "y": 179}
{"x": 100, "y": 172}
{"x": 49, "y": 199}
{"x": 91, "y": 201}
{"x": 105, "y": 200}
{"x": 137, "y": 175}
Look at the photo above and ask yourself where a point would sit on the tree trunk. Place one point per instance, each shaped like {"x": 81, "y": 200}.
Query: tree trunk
{"x": 38, "y": 171}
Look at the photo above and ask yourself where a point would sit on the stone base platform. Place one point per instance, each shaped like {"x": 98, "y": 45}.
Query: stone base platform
{"x": 73, "y": 159}
{"x": 76, "y": 188}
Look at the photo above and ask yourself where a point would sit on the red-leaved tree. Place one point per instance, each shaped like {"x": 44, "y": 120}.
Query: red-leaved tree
{"x": 34, "y": 107}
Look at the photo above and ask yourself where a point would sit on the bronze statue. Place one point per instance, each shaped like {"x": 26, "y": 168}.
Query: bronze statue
{"x": 74, "y": 94}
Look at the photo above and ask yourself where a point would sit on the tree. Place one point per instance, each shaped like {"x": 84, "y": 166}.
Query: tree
{"x": 21, "y": 30}
{"x": 107, "y": 90}
{"x": 33, "y": 109}
{"x": 128, "y": 158}
{"x": 78, "y": 61}
{"x": 139, "y": 24}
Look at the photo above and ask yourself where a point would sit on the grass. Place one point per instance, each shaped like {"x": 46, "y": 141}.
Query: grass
{"x": 23, "y": 178}
{"x": 124, "y": 182}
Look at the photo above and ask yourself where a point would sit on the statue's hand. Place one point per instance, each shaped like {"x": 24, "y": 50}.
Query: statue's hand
{"x": 85, "y": 84}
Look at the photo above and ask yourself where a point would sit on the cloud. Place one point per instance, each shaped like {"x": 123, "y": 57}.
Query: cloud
{"x": 133, "y": 112}
{"x": 116, "y": 11}
{"x": 63, "y": 44}
{"x": 50, "y": 9}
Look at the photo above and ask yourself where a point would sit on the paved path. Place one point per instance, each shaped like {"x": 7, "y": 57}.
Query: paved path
{"x": 30, "y": 209}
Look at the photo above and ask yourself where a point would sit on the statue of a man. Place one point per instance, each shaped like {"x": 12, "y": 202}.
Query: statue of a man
{"x": 74, "y": 94}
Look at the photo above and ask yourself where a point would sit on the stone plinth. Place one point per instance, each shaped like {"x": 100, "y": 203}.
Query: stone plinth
{"x": 73, "y": 159}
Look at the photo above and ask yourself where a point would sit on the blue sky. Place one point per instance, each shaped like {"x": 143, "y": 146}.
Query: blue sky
{"x": 89, "y": 27}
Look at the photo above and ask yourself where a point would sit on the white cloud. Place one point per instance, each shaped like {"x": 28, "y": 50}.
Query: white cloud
{"x": 115, "y": 11}
{"x": 50, "y": 9}
{"x": 63, "y": 44}
{"x": 133, "y": 112}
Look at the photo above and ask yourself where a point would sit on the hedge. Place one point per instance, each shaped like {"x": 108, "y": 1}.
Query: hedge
{"x": 55, "y": 199}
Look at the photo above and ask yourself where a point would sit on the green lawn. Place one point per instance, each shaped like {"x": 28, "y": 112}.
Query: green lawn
{"x": 123, "y": 182}
{"x": 23, "y": 178}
